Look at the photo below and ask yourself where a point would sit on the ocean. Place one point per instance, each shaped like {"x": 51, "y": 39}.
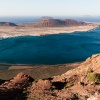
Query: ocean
{"x": 50, "y": 49}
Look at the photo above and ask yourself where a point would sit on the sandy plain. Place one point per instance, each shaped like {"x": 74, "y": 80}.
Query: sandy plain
{"x": 15, "y": 31}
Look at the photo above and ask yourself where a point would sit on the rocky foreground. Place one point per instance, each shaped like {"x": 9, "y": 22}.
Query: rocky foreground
{"x": 81, "y": 83}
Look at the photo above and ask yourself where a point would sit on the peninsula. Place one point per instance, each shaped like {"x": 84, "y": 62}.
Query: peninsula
{"x": 44, "y": 27}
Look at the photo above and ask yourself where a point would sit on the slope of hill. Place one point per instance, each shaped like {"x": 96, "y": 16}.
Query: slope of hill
{"x": 57, "y": 23}
{"x": 71, "y": 22}
{"x": 36, "y": 71}
{"x": 50, "y": 22}
{"x": 81, "y": 83}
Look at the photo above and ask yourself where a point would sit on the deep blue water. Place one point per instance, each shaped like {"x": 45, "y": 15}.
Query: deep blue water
{"x": 50, "y": 49}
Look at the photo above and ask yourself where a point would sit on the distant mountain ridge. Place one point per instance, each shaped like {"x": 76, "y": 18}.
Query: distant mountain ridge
{"x": 7, "y": 24}
{"x": 50, "y": 22}
{"x": 58, "y": 23}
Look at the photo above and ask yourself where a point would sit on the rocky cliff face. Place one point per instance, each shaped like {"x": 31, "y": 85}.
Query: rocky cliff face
{"x": 14, "y": 88}
{"x": 7, "y": 24}
{"x": 81, "y": 83}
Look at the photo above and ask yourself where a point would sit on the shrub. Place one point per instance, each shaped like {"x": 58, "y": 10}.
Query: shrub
{"x": 93, "y": 77}
{"x": 89, "y": 71}
{"x": 68, "y": 85}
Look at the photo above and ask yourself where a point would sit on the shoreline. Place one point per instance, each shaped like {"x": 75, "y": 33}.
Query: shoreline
{"x": 9, "y": 32}
{"x": 29, "y": 66}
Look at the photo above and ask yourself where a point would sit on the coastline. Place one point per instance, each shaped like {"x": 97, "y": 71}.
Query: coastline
{"x": 10, "y": 31}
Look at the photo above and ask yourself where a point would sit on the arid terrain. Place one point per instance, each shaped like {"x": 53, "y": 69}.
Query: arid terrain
{"x": 36, "y": 71}
{"x": 44, "y": 27}
{"x": 80, "y": 83}
{"x": 73, "y": 81}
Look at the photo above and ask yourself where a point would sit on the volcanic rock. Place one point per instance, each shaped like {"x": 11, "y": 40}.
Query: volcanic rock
{"x": 57, "y": 23}
{"x": 13, "y": 89}
{"x": 81, "y": 83}
{"x": 71, "y": 22}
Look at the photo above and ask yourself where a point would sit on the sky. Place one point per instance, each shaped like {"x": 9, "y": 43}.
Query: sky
{"x": 49, "y": 7}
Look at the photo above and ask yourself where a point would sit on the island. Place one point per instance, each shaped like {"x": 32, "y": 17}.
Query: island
{"x": 44, "y": 27}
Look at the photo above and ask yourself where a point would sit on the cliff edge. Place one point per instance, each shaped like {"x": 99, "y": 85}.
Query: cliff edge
{"x": 81, "y": 83}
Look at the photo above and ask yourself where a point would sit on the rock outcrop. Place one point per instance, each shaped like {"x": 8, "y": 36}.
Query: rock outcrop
{"x": 15, "y": 88}
{"x": 81, "y": 83}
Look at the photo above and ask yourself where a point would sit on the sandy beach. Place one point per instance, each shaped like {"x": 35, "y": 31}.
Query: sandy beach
{"x": 14, "y": 31}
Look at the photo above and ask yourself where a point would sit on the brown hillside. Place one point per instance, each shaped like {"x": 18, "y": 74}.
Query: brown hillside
{"x": 81, "y": 83}
{"x": 50, "y": 22}
{"x": 71, "y": 22}
{"x": 57, "y": 23}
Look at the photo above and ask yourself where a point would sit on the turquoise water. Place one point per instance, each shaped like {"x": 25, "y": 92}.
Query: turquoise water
{"x": 50, "y": 49}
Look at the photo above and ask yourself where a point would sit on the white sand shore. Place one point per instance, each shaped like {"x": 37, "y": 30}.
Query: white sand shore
{"x": 8, "y": 31}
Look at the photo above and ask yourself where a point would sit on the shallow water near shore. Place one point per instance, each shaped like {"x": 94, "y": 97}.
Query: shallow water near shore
{"x": 50, "y": 49}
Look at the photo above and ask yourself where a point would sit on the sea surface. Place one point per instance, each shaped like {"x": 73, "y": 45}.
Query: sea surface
{"x": 50, "y": 49}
